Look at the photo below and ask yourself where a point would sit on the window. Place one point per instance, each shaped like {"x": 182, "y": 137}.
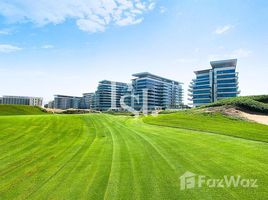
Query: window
{"x": 201, "y": 97}
{"x": 202, "y": 77}
{"x": 202, "y": 83}
{"x": 226, "y": 71}
{"x": 202, "y": 92}
{"x": 227, "y": 95}
{"x": 227, "y": 90}
{"x": 201, "y": 87}
{"x": 227, "y": 85}
{"x": 227, "y": 81}
{"x": 202, "y": 101}
{"x": 227, "y": 76}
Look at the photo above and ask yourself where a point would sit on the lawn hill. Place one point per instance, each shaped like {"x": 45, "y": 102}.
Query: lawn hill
{"x": 257, "y": 104}
{"x": 103, "y": 156}
{"x": 20, "y": 110}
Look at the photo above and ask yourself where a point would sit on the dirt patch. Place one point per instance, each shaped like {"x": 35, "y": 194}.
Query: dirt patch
{"x": 70, "y": 111}
{"x": 263, "y": 119}
{"x": 243, "y": 114}
{"x": 55, "y": 111}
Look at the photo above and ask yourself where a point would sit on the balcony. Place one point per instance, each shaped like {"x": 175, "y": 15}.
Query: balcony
{"x": 237, "y": 92}
{"x": 192, "y": 99}
{"x": 221, "y": 76}
{"x": 230, "y": 73}
{"x": 200, "y": 81}
{"x": 226, "y": 86}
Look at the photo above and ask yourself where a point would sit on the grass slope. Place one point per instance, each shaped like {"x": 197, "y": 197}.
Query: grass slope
{"x": 110, "y": 157}
{"x": 251, "y": 103}
{"x": 20, "y": 110}
{"x": 212, "y": 122}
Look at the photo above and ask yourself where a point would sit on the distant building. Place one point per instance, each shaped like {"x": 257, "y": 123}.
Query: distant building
{"x": 201, "y": 88}
{"x": 65, "y": 102}
{"x": 213, "y": 84}
{"x": 225, "y": 79}
{"x": 51, "y": 104}
{"x": 108, "y": 95}
{"x": 162, "y": 93}
{"x": 22, "y": 100}
{"x": 36, "y": 101}
{"x": 88, "y": 101}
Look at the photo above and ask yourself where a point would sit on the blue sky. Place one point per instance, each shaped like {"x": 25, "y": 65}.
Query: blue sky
{"x": 65, "y": 47}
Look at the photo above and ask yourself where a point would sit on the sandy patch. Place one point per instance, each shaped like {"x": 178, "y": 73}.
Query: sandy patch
{"x": 251, "y": 116}
{"x": 263, "y": 119}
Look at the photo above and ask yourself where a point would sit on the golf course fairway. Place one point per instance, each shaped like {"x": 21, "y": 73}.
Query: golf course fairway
{"x": 98, "y": 156}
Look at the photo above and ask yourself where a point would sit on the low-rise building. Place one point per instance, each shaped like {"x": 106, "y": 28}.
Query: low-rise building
{"x": 65, "y": 102}
{"x": 22, "y": 100}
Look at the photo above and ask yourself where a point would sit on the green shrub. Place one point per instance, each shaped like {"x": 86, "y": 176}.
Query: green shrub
{"x": 251, "y": 103}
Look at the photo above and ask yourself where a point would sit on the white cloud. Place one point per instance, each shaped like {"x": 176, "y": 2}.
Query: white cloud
{"x": 163, "y": 9}
{"x": 90, "y": 26}
{"x": 237, "y": 53}
{"x": 151, "y": 5}
{"x": 223, "y": 29}
{"x": 90, "y": 15}
{"x": 7, "y": 48}
{"x": 47, "y": 46}
{"x": 5, "y": 31}
{"x": 129, "y": 20}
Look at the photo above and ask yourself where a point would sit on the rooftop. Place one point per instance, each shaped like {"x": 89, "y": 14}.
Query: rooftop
{"x": 147, "y": 74}
{"x": 202, "y": 71}
{"x": 25, "y": 97}
{"x": 110, "y": 82}
{"x": 88, "y": 93}
{"x": 65, "y": 96}
{"x": 223, "y": 63}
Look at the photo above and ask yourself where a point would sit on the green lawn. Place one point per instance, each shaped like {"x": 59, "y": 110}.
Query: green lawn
{"x": 20, "y": 110}
{"x": 101, "y": 156}
{"x": 212, "y": 122}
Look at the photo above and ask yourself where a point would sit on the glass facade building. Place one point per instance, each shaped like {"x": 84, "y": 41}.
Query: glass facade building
{"x": 108, "y": 95}
{"x": 63, "y": 102}
{"x": 213, "y": 84}
{"x": 66, "y": 102}
{"x": 88, "y": 101}
{"x": 160, "y": 93}
{"x": 201, "y": 87}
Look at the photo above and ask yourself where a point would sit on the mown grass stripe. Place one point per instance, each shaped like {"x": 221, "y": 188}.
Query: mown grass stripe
{"x": 100, "y": 156}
